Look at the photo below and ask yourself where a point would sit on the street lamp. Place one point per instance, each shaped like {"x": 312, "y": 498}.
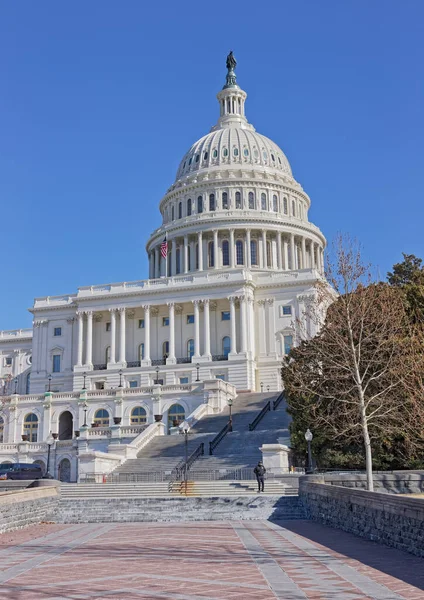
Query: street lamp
{"x": 197, "y": 367}
{"x": 157, "y": 376}
{"x": 16, "y": 384}
{"x": 230, "y": 422}
{"x": 50, "y": 382}
{"x": 85, "y": 406}
{"x": 267, "y": 388}
{"x": 185, "y": 432}
{"x": 120, "y": 378}
{"x": 262, "y": 387}
{"x": 85, "y": 376}
{"x": 308, "y": 438}
{"x": 50, "y": 441}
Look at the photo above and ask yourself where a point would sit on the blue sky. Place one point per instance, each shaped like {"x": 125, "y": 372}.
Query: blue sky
{"x": 99, "y": 101}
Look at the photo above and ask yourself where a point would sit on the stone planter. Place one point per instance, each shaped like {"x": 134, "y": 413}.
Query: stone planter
{"x": 77, "y": 433}
{"x": 117, "y": 420}
{"x": 24, "y": 437}
{"x": 55, "y": 436}
{"x": 158, "y": 418}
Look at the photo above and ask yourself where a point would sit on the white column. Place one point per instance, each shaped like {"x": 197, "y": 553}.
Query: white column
{"x": 80, "y": 338}
{"x": 264, "y": 252}
{"x": 186, "y": 265}
{"x": 251, "y": 324}
{"x": 89, "y": 342}
{"x": 207, "y": 330}
{"x": 122, "y": 336}
{"x": 262, "y": 327}
{"x": 112, "y": 359}
{"x": 286, "y": 254}
{"x": 292, "y": 252}
{"x": 215, "y": 248}
{"x": 243, "y": 324}
{"x": 192, "y": 266}
{"x": 146, "y": 332}
{"x": 196, "y": 329}
{"x": 171, "y": 307}
{"x": 279, "y": 252}
{"x": 233, "y": 325}
{"x": 173, "y": 257}
{"x": 157, "y": 263}
{"x": 248, "y": 255}
{"x": 232, "y": 249}
{"x": 200, "y": 246}
{"x": 303, "y": 253}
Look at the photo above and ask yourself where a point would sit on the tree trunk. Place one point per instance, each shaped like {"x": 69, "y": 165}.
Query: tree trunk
{"x": 367, "y": 444}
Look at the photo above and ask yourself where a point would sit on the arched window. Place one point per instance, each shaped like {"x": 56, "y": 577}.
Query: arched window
{"x": 225, "y": 200}
{"x": 225, "y": 152}
{"x": 28, "y": 383}
{"x": 107, "y": 355}
{"x": 31, "y": 427}
{"x": 239, "y": 252}
{"x": 141, "y": 352}
{"x": 101, "y": 418}
{"x": 275, "y": 203}
{"x": 190, "y": 348}
{"x": 205, "y": 156}
{"x": 176, "y": 415}
{"x": 165, "y": 349}
{"x": 263, "y": 201}
{"x": 235, "y": 152}
{"x": 251, "y": 200}
{"x": 197, "y": 157}
{"x": 189, "y": 207}
{"x": 215, "y": 153}
{"x": 172, "y": 213}
{"x": 226, "y": 345}
{"x": 64, "y": 470}
{"x": 180, "y": 210}
{"x": 211, "y": 201}
{"x": 197, "y": 256}
{"x": 1, "y": 430}
{"x": 66, "y": 425}
{"x": 253, "y": 252}
{"x": 238, "y": 200}
{"x": 178, "y": 261}
{"x": 188, "y": 267}
{"x": 225, "y": 253}
{"x": 286, "y": 210}
{"x": 268, "y": 254}
{"x": 293, "y": 208}
{"x": 199, "y": 204}
{"x": 138, "y": 416}
{"x": 211, "y": 254}
{"x": 246, "y": 152}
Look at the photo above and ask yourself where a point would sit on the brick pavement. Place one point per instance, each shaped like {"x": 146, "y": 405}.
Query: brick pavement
{"x": 234, "y": 560}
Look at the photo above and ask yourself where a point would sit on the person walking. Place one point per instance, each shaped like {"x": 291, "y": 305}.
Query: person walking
{"x": 260, "y": 471}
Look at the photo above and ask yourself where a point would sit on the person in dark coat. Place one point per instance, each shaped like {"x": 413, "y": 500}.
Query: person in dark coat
{"x": 260, "y": 471}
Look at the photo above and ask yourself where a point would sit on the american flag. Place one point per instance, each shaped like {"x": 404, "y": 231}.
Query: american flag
{"x": 164, "y": 247}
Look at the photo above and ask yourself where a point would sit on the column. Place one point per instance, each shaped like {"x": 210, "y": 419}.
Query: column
{"x": 286, "y": 253}
{"x": 196, "y": 329}
{"x": 233, "y": 325}
{"x": 251, "y": 324}
{"x": 112, "y": 359}
{"x": 243, "y": 324}
{"x": 146, "y": 332}
{"x": 186, "y": 265}
{"x": 292, "y": 252}
{"x": 89, "y": 342}
{"x": 122, "y": 336}
{"x": 232, "y": 249}
{"x": 173, "y": 257}
{"x": 303, "y": 253}
{"x": 151, "y": 265}
{"x": 262, "y": 326}
{"x": 248, "y": 255}
{"x": 279, "y": 252}
{"x": 264, "y": 252}
{"x": 157, "y": 263}
{"x": 215, "y": 248}
{"x": 200, "y": 246}
{"x": 207, "y": 330}
{"x": 80, "y": 338}
{"x": 171, "y": 357}
{"x": 271, "y": 326}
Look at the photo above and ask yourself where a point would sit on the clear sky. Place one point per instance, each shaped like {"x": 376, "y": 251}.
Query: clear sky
{"x": 99, "y": 100}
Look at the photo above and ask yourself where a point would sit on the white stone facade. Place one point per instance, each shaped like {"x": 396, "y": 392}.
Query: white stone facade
{"x": 242, "y": 261}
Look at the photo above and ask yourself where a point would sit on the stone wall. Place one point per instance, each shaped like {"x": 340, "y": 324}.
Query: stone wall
{"x": 396, "y": 521}
{"x": 26, "y": 507}
{"x": 393, "y": 482}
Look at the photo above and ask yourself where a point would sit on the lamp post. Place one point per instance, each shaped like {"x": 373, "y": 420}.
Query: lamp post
{"x": 157, "y": 376}
{"x": 262, "y": 387}
{"x": 50, "y": 382}
{"x": 120, "y": 378}
{"x": 267, "y": 388}
{"x": 85, "y": 406}
{"x": 230, "y": 422}
{"x": 16, "y": 385}
{"x": 50, "y": 442}
{"x": 308, "y": 438}
{"x": 186, "y": 458}
{"x": 84, "y": 375}
{"x": 197, "y": 367}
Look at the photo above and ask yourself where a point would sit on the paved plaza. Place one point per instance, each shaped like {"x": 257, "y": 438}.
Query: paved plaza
{"x": 192, "y": 561}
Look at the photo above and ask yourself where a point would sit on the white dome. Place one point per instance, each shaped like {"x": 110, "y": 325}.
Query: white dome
{"x": 232, "y": 146}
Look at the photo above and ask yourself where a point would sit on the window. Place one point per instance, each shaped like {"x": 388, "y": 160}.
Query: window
{"x": 56, "y": 363}
{"x": 255, "y": 153}
{"x": 57, "y": 331}
{"x": 190, "y": 161}
{"x": 1, "y": 429}
{"x": 251, "y": 200}
{"x": 238, "y": 200}
{"x": 225, "y": 253}
{"x": 101, "y": 418}
{"x": 141, "y": 352}
{"x": 138, "y": 416}
{"x": 141, "y": 323}
{"x": 235, "y": 152}
{"x": 225, "y": 315}
{"x": 190, "y": 348}
{"x": 31, "y": 427}
{"x": 265, "y": 155}
{"x": 176, "y": 415}
{"x": 215, "y": 153}
{"x": 246, "y": 152}
{"x": 253, "y": 252}
{"x": 287, "y": 310}
{"x": 197, "y": 157}
{"x": 8, "y": 361}
{"x": 189, "y": 207}
{"x": 190, "y": 319}
{"x": 263, "y": 201}
{"x": 133, "y": 383}
{"x": 205, "y": 156}
{"x": 165, "y": 321}
{"x": 197, "y": 256}
{"x": 268, "y": 255}
{"x": 28, "y": 383}
{"x": 180, "y": 210}
{"x": 108, "y": 326}
{"x": 165, "y": 349}
{"x": 100, "y": 385}
{"x": 199, "y": 204}
{"x": 225, "y": 152}
{"x": 178, "y": 261}
{"x": 211, "y": 201}
{"x": 286, "y": 210}
{"x": 211, "y": 255}
{"x": 273, "y": 157}
{"x": 183, "y": 380}
{"x": 220, "y": 376}
{"x": 172, "y": 213}
{"x": 275, "y": 203}
{"x": 293, "y": 208}
{"x": 107, "y": 355}
{"x": 288, "y": 343}
{"x": 225, "y": 200}
{"x": 239, "y": 252}
{"x": 226, "y": 345}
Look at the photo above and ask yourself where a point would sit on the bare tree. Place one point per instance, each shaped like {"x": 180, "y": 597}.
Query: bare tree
{"x": 355, "y": 374}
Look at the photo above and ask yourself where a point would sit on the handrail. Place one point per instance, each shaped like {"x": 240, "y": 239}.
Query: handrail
{"x": 260, "y": 416}
{"x": 180, "y": 468}
{"x": 219, "y": 437}
{"x": 277, "y": 402}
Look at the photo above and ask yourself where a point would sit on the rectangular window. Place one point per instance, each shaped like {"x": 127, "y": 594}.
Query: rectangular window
{"x": 100, "y": 385}
{"x": 107, "y": 326}
{"x": 190, "y": 319}
{"x": 141, "y": 323}
{"x": 57, "y": 331}
{"x": 183, "y": 380}
{"x": 286, "y": 311}
{"x": 288, "y": 343}
{"x": 133, "y": 384}
{"x": 220, "y": 376}
{"x": 225, "y": 315}
{"x": 56, "y": 363}
{"x": 165, "y": 321}
{"x": 8, "y": 361}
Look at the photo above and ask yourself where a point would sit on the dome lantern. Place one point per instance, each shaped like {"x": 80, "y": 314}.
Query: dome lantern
{"x": 231, "y": 101}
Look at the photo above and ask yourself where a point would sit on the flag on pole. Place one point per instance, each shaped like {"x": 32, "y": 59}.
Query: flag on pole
{"x": 164, "y": 248}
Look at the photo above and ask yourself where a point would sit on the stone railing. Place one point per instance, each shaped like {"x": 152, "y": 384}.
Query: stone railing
{"x": 15, "y": 333}
{"x": 128, "y": 430}
{"x": 99, "y": 432}
{"x": 23, "y": 447}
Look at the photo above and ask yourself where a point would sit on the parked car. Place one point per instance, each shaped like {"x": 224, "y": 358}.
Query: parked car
{"x": 21, "y": 471}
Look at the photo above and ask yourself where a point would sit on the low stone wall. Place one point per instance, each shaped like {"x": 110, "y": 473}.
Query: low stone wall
{"x": 394, "y": 482}
{"x": 26, "y": 507}
{"x": 396, "y": 521}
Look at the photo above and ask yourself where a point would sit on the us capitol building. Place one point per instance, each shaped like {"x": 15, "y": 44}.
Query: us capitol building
{"x": 230, "y": 270}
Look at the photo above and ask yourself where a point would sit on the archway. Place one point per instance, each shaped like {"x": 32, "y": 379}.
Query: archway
{"x": 66, "y": 422}
{"x": 65, "y": 470}
{"x": 42, "y": 465}
{"x": 176, "y": 415}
